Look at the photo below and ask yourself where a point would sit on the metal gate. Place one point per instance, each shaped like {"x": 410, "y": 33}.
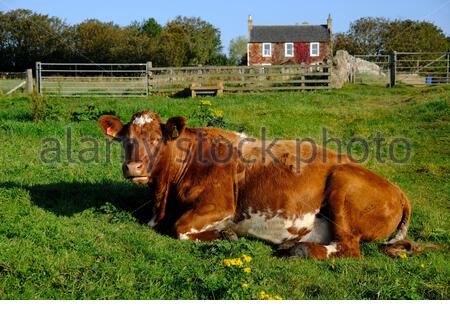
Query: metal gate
{"x": 412, "y": 68}
{"x": 422, "y": 68}
{"x": 92, "y": 79}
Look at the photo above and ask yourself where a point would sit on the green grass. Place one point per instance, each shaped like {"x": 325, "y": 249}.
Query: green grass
{"x": 68, "y": 230}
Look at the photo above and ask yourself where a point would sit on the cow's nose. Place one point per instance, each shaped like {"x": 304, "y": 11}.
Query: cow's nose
{"x": 133, "y": 169}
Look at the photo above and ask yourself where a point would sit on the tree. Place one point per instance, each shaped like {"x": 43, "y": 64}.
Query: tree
{"x": 131, "y": 46}
{"x": 365, "y": 36}
{"x": 189, "y": 41}
{"x": 344, "y": 41}
{"x": 27, "y": 37}
{"x": 95, "y": 39}
{"x": 380, "y": 36}
{"x": 220, "y": 59}
{"x": 238, "y": 50}
{"x": 414, "y": 36}
{"x": 172, "y": 47}
{"x": 150, "y": 27}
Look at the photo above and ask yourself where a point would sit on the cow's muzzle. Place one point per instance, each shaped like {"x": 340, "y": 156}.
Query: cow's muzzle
{"x": 135, "y": 171}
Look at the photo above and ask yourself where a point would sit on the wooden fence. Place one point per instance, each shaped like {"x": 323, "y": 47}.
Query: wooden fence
{"x": 11, "y": 82}
{"x": 238, "y": 79}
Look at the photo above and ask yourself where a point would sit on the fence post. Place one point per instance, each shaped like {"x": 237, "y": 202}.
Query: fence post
{"x": 38, "y": 77}
{"x": 29, "y": 81}
{"x": 392, "y": 67}
{"x": 148, "y": 67}
{"x": 448, "y": 67}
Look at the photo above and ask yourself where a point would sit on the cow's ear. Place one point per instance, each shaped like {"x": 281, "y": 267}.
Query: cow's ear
{"x": 174, "y": 127}
{"x": 110, "y": 126}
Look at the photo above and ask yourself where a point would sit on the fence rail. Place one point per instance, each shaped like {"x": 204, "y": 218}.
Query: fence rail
{"x": 245, "y": 78}
{"x": 92, "y": 79}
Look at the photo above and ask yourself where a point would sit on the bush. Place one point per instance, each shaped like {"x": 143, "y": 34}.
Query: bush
{"x": 90, "y": 112}
{"x": 43, "y": 109}
{"x": 209, "y": 116}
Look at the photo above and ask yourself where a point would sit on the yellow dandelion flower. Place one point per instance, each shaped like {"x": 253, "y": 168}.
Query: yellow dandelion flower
{"x": 246, "y": 258}
{"x": 422, "y": 265}
{"x": 238, "y": 262}
{"x": 403, "y": 256}
{"x": 217, "y": 113}
{"x": 264, "y": 296}
{"x": 233, "y": 262}
{"x": 245, "y": 285}
{"x": 247, "y": 270}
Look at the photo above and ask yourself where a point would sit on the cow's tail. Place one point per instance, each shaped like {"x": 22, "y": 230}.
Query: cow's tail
{"x": 403, "y": 226}
{"x": 398, "y": 245}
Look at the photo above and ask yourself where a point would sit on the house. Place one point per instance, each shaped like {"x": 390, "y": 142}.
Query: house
{"x": 288, "y": 44}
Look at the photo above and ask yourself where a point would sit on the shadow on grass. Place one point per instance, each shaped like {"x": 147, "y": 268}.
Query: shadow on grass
{"x": 69, "y": 198}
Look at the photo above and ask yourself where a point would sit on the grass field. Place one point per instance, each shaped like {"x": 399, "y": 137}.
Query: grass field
{"x": 68, "y": 229}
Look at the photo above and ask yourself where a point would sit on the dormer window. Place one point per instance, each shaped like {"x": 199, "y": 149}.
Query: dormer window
{"x": 267, "y": 49}
{"x": 289, "y": 49}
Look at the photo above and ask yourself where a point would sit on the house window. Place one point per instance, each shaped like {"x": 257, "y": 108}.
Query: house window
{"x": 267, "y": 49}
{"x": 289, "y": 49}
{"x": 314, "y": 49}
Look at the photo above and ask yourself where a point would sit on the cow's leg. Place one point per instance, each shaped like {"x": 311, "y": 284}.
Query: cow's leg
{"x": 346, "y": 238}
{"x": 341, "y": 214}
{"x": 204, "y": 225}
{"x": 322, "y": 252}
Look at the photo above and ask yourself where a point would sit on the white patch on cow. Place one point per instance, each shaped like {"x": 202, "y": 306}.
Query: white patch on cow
{"x": 152, "y": 223}
{"x": 143, "y": 119}
{"x": 241, "y": 135}
{"x": 320, "y": 233}
{"x": 274, "y": 227}
{"x": 183, "y": 236}
{"x": 331, "y": 248}
{"x": 217, "y": 225}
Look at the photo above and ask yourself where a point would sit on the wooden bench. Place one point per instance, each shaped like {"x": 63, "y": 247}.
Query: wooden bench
{"x": 208, "y": 89}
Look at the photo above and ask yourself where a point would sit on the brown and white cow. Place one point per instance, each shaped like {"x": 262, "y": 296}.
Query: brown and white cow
{"x": 210, "y": 182}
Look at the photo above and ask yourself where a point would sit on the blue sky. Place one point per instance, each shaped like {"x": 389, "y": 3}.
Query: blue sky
{"x": 230, "y": 16}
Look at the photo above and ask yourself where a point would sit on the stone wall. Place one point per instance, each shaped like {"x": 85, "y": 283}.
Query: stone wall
{"x": 344, "y": 65}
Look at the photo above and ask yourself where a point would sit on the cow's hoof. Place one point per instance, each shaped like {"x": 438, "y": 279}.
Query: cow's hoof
{"x": 297, "y": 250}
{"x": 286, "y": 245}
{"x": 229, "y": 235}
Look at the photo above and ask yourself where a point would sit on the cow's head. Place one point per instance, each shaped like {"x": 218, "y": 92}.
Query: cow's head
{"x": 143, "y": 139}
